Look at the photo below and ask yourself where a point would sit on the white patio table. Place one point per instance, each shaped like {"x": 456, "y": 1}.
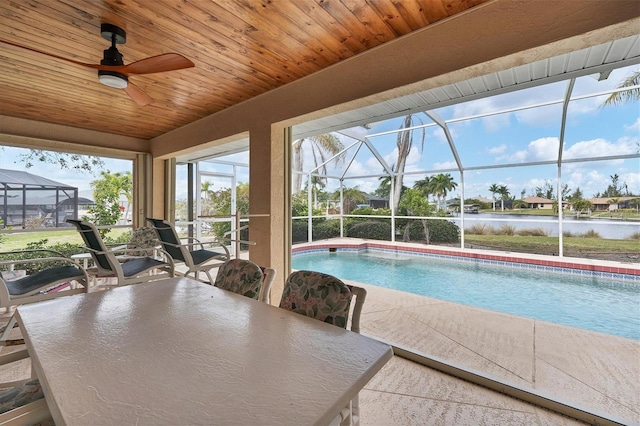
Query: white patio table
{"x": 180, "y": 352}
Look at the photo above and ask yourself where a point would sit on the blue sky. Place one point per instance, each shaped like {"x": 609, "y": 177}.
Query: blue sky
{"x": 510, "y": 138}
{"x": 10, "y": 158}
{"x": 519, "y": 137}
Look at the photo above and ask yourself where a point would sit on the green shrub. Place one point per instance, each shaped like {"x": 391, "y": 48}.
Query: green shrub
{"x": 123, "y": 238}
{"x": 299, "y": 231}
{"x": 66, "y": 249}
{"x": 440, "y": 231}
{"x": 443, "y": 231}
{"x": 635, "y": 236}
{"x": 369, "y": 211}
{"x": 326, "y": 229}
{"x": 373, "y": 230}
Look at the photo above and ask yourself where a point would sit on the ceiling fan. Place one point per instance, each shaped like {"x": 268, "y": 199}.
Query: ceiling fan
{"x": 112, "y": 71}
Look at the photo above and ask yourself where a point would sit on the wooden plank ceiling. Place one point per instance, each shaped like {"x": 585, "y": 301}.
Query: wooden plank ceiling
{"x": 240, "y": 49}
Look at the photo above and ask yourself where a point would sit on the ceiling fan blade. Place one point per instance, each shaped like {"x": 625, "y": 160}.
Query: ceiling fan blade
{"x": 84, "y": 64}
{"x": 159, "y": 63}
{"x": 137, "y": 95}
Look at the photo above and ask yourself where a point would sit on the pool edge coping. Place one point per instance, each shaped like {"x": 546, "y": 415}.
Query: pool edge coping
{"x": 605, "y": 269}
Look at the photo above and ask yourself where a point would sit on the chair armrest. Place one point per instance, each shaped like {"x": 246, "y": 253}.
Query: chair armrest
{"x": 192, "y": 242}
{"x": 40, "y": 260}
{"x": 56, "y": 253}
{"x": 225, "y": 236}
{"x": 116, "y": 246}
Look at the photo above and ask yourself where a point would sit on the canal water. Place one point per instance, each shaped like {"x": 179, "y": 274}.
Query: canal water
{"x": 606, "y": 228}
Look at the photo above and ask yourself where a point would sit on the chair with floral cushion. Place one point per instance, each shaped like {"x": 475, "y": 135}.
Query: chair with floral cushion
{"x": 246, "y": 278}
{"x": 143, "y": 241}
{"x": 23, "y": 402}
{"x": 269, "y": 276}
{"x": 328, "y": 299}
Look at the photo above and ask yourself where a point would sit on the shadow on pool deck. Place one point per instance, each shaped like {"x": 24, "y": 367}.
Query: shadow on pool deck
{"x": 596, "y": 371}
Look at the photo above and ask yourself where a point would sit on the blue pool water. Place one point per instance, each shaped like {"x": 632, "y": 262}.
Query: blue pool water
{"x": 601, "y": 305}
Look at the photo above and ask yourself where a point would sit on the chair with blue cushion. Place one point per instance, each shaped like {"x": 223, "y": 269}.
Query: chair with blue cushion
{"x": 246, "y": 278}
{"x": 124, "y": 264}
{"x": 55, "y": 276}
{"x": 192, "y": 253}
{"x": 328, "y": 299}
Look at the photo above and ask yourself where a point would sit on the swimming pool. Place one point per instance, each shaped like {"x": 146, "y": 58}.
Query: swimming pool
{"x": 590, "y": 303}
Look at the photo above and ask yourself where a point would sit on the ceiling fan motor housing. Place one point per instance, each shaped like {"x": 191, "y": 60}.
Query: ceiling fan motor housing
{"x": 112, "y": 56}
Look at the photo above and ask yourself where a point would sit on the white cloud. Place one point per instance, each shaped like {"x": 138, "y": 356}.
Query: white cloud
{"x": 445, "y": 165}
{"x": 635, "y": 127}
{"x": 496, "y": 150}
{"x": 538, "y": 150}
{"x": 600, "y": 147}
{"x": 540, "y": 117}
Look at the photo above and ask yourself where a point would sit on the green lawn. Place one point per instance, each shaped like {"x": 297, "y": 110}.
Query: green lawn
{"x": 548, "y": 245}
{"x": 530, "y": 244}
{"x": 19, "y": 240}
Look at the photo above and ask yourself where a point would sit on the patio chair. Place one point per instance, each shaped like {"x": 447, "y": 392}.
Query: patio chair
{"x": 246, "y": 278}
{"x": 58, "y": 276}
{"x": 122, "y": 263}
{"x": 143, "y": 242}
{"x": 192, "y": 253}
{"x": 22, "y": 403}
{"x": 269, "y": 276}
{"x": 328, "y": 299}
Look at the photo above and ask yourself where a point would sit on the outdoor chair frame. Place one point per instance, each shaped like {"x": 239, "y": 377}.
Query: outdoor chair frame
{"x": 123, "y": 263}
{"x": 302, "y": 289}
{"x": 192, "y": 253}
{"x": 40, "y": 286}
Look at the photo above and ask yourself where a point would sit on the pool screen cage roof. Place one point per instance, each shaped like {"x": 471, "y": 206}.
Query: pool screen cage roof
{"x": 558, "y": 85}
{"x": 566, "y": 81}
{"x": 25, "y": 197}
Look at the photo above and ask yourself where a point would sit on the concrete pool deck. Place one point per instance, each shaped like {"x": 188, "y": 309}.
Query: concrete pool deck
{"x": 593, "y": 370}
{"x": 596, "y": 371}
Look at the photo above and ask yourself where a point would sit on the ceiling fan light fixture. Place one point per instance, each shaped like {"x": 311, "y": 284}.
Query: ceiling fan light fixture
{"x": 113, "y": 79}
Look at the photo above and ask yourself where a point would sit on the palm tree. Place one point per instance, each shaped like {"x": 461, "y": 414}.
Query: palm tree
{"x": 404, "y": 142}
{"x": 317, "y": 185}
{"x": 424, "y": 186}
{"x": 504, "y": 195}
{"x": 207, "y": 191}
{"x": 440, "y": 185}
{"x": 494, "y": 189}
{"x": 350, "y": 198}
{"x": 322, "y": 147}
{"x": 384, "y": 187}
{"x": 625, "y": 96}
